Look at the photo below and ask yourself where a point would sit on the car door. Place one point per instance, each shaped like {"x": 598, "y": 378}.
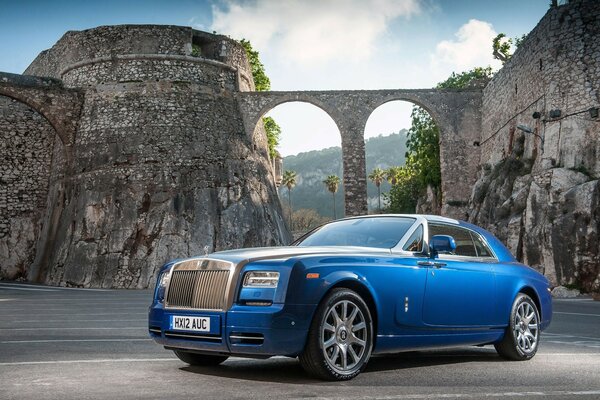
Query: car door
{"x": 460, "y": 289}
{"x": 409, "y": 282}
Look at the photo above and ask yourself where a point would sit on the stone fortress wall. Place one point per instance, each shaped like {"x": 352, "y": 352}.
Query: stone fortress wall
{"x": 539, "y": 192}
{"x": 160, "y": 164}
{"x": 26, "y": 147}
{"x": 149, "y": 146}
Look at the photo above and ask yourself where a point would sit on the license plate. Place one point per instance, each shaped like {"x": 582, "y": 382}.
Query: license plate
{"x": 186, "y": 323}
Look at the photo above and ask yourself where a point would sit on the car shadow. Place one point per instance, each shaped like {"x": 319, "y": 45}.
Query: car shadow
{"x": 288, "y": 370}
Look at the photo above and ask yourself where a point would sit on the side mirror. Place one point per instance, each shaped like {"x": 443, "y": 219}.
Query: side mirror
{"x": 441, "y": 244}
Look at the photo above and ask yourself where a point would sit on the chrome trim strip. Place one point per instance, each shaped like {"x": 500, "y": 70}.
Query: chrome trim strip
{"x": 183, "y": 335}
{"x": 247, "y": 338}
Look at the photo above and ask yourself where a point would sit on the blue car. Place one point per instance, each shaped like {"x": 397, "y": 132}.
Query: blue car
{"x": 350, "y": 289}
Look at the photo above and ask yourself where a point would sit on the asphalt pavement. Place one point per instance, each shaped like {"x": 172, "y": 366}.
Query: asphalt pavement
{"x": 66, "y": 343}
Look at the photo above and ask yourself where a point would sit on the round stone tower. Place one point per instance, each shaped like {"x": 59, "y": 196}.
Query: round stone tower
{"x": 160, "y": 166}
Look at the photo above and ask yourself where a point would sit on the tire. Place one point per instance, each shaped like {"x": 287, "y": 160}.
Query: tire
{"x": 200, "y": 360}
{"x": 340, "y": 339}
{"x": 522, "y": 336}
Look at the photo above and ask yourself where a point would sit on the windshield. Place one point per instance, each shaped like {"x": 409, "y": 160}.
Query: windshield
{"x": 378, "y": 232}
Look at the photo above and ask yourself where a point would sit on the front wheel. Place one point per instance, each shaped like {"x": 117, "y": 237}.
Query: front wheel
{"x": 200, "y": 360}
{"x": 340, "y": 339}
{"x": 522, "y": 335}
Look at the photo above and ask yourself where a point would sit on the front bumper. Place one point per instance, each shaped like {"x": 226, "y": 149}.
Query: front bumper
{"x": 251, "y": 331}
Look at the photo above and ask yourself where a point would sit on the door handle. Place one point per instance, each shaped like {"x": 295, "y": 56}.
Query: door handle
{"x": 434, "y": 264}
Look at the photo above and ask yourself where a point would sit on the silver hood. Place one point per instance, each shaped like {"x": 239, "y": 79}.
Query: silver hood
{"x": 262, "y": 253}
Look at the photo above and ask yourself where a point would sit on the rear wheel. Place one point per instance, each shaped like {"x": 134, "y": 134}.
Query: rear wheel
{"x": 522, "y": 335}
{"x": 201, "y": 360}
{"x": 340, "y": 339}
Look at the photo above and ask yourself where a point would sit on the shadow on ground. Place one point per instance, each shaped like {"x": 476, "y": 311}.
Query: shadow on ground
{"x": 288, "y": 370}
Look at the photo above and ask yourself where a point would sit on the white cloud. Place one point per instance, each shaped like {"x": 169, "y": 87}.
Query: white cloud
{"x": 311, "y": 32}
{"x": 471, "y": 48}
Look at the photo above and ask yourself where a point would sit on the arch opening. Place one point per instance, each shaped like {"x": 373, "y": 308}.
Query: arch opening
{"x": 310, "y": 146}
{"x": 32, "y": 105}
{"x": 402, "y": 152}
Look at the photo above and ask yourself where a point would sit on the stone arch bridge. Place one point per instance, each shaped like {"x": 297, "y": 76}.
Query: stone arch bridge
{"x": 456, "y": 112}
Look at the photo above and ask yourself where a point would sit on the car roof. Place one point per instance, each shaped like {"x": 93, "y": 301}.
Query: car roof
{"x": 428, "y": 217}
{"x": 502, "y": 253}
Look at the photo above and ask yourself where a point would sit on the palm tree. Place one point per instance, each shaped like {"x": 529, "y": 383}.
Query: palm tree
{"x": 289, "y": 180}
{"x": 393, "y": 175}
{"x": 377, "y": 177}
{"x": 332, "y": 182}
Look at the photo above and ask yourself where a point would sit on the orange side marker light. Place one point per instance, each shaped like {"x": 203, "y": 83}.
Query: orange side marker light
{"x": 312, "y": 275}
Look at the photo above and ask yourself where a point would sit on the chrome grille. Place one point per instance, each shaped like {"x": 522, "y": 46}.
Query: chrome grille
{"x": 202, "y": 289}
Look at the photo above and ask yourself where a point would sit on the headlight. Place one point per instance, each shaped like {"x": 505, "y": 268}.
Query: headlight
{"x": 163, "y": 281}
{"x": 261, "y": 279}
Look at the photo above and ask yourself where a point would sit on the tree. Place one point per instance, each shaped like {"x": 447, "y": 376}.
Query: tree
{"x": 377, "y": 176}
{"x": 289, "y": 181}
{"x": 332, "y": 182}
{"x": 501, "y": 46}
{"x": 422, "y": 166}
{"x": 262, "y": 83}
{"x": 423, "y": 156}
{"x": 465, "y": 79}
{"x": 273, "y": 135}
{"x": 402, "y": 197}
{"x": 392, "y": 174}
{"x": 306, "y": 219}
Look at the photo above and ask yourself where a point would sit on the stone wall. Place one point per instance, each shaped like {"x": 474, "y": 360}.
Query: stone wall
{"x": 140, "y": 68}
{"x": 156, "y": 179}
{"x": 161, "y": 167}
{"x": 26, "y": 147}
{"x": 539, "y": 192}
{"x": 122, "y": 51}
{"x": 153, "y": 151}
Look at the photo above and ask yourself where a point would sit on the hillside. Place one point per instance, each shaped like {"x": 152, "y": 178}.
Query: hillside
{"x": 313, "y": 166}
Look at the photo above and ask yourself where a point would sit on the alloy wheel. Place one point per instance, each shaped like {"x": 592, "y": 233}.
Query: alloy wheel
{"x": 344, "y": 336}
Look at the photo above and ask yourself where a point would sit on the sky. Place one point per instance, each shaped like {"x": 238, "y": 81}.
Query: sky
{"x": 304, "y": 44}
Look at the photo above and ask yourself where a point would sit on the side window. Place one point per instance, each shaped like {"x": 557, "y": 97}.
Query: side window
{"x": 462, "y": 237}
{"x": 482, "y": 249}
{"x": 415, "y": 242}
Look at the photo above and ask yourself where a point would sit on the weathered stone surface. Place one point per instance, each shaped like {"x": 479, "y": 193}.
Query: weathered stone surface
{"x": 159, "y": 166}
{"x": 429, "y": 204}
{"x": 153, "y": 182}
{"x": 561, "y": 292}
{"x": 47, "y": 96}
{"x": 159, "y": 151}
{"x": 539, "y": 192}
{"x": 549, "y": 219}
{"x": 26, "y": 148}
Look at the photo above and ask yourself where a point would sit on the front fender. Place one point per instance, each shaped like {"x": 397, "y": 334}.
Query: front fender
{"x": 311, "y": 291}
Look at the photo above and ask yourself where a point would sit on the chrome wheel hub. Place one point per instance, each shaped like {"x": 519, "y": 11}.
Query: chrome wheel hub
{"x": 344, "y": 336}
{"x": 526, "y": 328}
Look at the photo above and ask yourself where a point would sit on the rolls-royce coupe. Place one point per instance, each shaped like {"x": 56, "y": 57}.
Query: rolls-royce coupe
{"x": 351, "y": 289}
